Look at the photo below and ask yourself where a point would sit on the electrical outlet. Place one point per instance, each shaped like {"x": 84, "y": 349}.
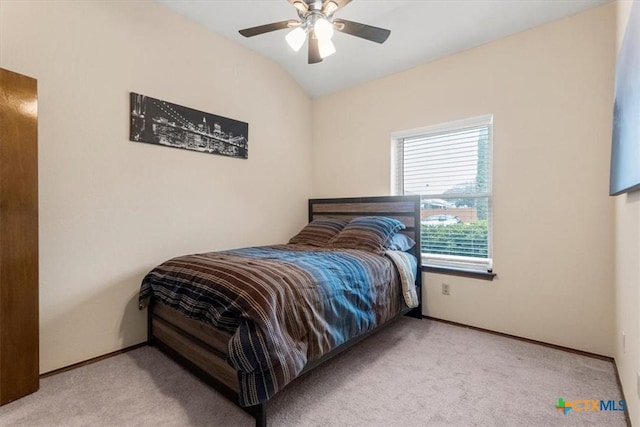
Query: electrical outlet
{"x": 446, "y": 289}
{"x": 624, "y": 343}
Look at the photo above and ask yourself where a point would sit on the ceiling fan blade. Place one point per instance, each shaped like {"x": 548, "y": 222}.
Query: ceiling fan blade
{"x": 267, "y": 28}
{"x": 375, "y": 34}
{"x": 314, "y": 51}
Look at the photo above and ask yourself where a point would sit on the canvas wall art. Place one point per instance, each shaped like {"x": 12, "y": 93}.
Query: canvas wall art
{"x": 625, "y": 146}
{"x": 160, "y": 122}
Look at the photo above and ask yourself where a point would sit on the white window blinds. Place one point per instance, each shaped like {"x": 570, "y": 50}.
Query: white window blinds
{"x": 450, "y": 167}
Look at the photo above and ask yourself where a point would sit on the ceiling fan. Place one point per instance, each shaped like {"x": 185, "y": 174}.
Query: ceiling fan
{"x": 317, "y": 24}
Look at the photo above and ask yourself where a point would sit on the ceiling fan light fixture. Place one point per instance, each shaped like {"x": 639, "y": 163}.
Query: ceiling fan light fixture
{"x": 300, "y": 5}
{"x": 296, "y": 38}
{"x": 326, "y": 47}
{"x": 323, "y": 29}
{"x": 330, "y": 7}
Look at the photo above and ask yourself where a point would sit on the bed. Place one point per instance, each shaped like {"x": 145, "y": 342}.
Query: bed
{"x": 248, "y": 353}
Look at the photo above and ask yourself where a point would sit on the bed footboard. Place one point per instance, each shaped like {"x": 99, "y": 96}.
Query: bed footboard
{"x": 199, "y": 348}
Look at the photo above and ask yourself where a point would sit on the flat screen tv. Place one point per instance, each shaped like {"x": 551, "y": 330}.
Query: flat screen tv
{"x": 625, "y": 146}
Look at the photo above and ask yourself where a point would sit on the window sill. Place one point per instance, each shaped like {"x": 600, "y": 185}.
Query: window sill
{"x": 474, "y": 274}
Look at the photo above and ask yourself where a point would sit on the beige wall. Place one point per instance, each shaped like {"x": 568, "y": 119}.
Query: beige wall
{"x": 550, "y": 91}
{"x": 111, "y": 209}
{"x": 627, "y": 274}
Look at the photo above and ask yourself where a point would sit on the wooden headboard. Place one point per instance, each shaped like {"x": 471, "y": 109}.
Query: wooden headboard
{"x": 402, "y": 208}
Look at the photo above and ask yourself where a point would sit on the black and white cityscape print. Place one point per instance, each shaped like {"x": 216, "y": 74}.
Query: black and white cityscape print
{"x": 160, "y": 122}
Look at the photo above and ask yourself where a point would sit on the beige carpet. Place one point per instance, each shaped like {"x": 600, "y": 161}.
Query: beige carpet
{"x": 413, "y": 373}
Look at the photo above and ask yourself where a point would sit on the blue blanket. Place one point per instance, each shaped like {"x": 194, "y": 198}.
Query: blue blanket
{"x": 285, "y": 305}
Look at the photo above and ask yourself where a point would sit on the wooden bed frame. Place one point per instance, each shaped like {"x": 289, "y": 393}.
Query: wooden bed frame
{"x": 202, "y": 348}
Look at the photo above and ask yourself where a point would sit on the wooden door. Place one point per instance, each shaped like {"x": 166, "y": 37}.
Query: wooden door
{"x": 19, "y": 352}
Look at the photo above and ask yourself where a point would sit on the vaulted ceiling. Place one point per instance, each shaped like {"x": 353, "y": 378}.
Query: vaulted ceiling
{"x": 421, "y": 31}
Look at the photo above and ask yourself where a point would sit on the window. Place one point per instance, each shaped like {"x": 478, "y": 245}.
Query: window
{"x": 449, "y": 165}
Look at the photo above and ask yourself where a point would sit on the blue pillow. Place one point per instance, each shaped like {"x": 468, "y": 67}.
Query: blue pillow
{"x": 400, "y": 242}
{"x": 367, "y": 233}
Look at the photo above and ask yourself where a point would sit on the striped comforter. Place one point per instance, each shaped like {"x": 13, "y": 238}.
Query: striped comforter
{"x": 285, "y": 305}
